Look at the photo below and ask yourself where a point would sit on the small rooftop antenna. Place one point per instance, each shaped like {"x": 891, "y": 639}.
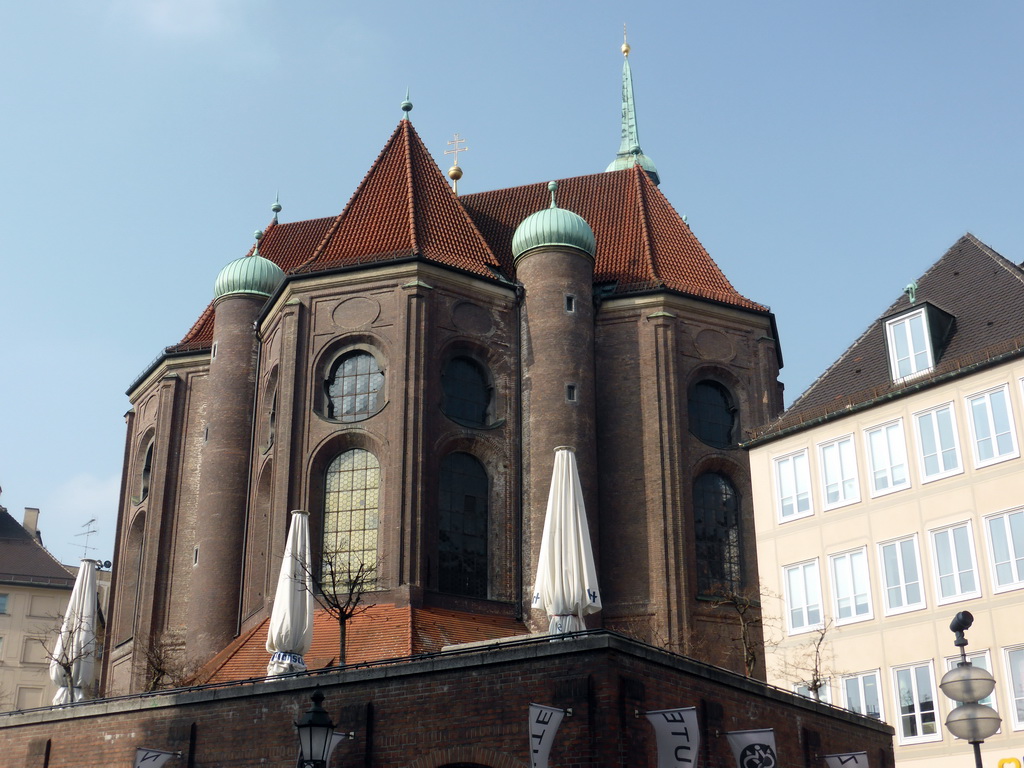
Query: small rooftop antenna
{"x": 455, "y": 172}
{"x": 90, "y": 529}
{"x": 911, "y": 291}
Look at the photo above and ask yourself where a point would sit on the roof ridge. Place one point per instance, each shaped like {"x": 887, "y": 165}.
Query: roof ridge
{"x": 410, "y": 183}
{"x": 1015, "y": 270}
{"x": 645, "y": 234}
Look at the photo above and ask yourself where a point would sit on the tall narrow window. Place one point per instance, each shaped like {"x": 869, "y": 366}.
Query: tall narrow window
{"x": 803, "y": 597}
{"x": 887, "y": 454}
{"x": 1006, "y": 540}
{"x": 467, "y": 393}
{"x": 839, "y": 472}
{"x": 712, "y": 414}
{"x": 901, "y": 576}
{"x": 955, "y": 570}
{"x": 863, "y": 694}
{"x": 851, "y": 589}
{"x": 716, "y": 517}
{"x": 1015, "y": 668}
{"x": 351, "y": 519}
{"x": 915, "y": 697}
{"x": 940, "y": 449}
{"x": 793, "y": 486}
{"x": 992, "y": 427}
{"x": 910, "y": 351}
{"x": 353, "y": 387}
{"x": 462, "y": 526}
{"x": 144, "y": 475}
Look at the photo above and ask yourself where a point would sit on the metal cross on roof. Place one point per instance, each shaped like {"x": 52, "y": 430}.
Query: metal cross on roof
{"x": 456, "y": 149}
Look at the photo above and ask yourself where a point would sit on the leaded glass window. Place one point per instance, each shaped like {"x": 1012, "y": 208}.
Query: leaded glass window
{"x": 717, "y": 522}
{"x": 467, "y": 395}
{"x": 351, "y": 518}
{"x": 353, "y": 387}
{"x": 712, "y": 414}
{"x": 462, "y": 526}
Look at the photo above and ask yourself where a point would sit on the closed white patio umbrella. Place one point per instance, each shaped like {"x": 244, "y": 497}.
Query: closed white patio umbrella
{"x": 291, "y": 620}
{"x": 73, "y": 661}
{"x": 566, "y": 587}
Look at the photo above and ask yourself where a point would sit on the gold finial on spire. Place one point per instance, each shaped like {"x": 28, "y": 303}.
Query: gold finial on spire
{"x": 455, "y": 172}
{"x": 625, "y": 45}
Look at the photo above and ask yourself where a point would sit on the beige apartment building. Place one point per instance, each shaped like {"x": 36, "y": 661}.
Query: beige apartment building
{"x": 890, "y": 496}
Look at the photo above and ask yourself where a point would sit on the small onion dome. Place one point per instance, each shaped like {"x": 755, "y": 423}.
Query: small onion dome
{"x": 553, "y": 226}
{"x": 249, "y": 274}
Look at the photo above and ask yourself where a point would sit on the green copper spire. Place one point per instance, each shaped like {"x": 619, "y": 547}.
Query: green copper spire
{"x": 630, "y": 153}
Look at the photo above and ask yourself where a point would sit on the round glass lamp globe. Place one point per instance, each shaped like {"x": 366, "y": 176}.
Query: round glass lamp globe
{"x": 973, "y": 722}
{"x": 966, "y": 682}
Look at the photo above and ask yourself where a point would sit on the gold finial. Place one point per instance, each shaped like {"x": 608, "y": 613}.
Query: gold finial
{"x": 625, "y": 45}
{"x": 455, "y": 172}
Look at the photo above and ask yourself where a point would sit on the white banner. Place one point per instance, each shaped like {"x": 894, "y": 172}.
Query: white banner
{"x": 678, "y": 737}
{"x": 544, "y": 722}
{"x": 753, "y": 749}
{"x": 152, "y": 758}
{"x": 847, "y": 760}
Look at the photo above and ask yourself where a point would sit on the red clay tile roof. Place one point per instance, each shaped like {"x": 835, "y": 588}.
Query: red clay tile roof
{"x": 980, "y": 288}
{"x": 381, "y": 632}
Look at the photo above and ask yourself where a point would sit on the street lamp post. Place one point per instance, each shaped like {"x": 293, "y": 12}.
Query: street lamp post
{"x": 968, "y": 684}
{"x": 315, "y": 732}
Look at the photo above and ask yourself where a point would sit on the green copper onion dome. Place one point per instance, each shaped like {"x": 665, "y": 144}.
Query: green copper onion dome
{"x": 249, "y": 274}
{"x": 553, "y": 226}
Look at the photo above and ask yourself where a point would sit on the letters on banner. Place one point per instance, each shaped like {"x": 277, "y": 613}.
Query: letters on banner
{"x": 152, "y": 758}
{"x": 677, "y": 735}
{"x": 847, "y": 760}
{"x": 753, "y": 749}
{"x": 544, "y": 722}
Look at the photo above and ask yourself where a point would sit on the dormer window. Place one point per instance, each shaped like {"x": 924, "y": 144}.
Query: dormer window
{"x": 915, "y": 340}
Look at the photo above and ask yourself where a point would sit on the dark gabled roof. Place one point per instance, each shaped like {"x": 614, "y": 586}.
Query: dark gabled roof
{"x": 981, "y": 289}
{"x": 23, "y": 560}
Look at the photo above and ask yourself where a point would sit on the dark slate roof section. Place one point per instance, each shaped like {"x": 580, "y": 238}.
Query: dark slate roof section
{"x": 25, "y": 561}
{"x": 981, "y": 289}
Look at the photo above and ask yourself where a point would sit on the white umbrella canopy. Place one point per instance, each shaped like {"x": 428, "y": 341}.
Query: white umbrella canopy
{"x": 291, "y": 620}
{"x": 73, "y": 661}
{"x": 566, "y": 586}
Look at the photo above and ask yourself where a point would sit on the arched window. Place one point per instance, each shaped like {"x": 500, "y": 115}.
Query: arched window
{"x": 716, "y": 517}
{"x": 353, "y": 387}
{"x": 462, "y": 526}
{"x": 713, "y": 414}
{"x": 144, "y": 475}
{"x": 129, "y": 578}
{"x": 467, "y": 393}
{"x": 351, "y": 517}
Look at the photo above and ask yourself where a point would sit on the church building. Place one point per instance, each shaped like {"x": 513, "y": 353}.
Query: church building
{"x": 403, "y": 370}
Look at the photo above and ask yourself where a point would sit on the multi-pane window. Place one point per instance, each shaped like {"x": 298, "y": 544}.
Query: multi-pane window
{"x": 901, "y": 575}
{"x": 712, "y": 414}
{"x": 793, "y": 485}
{"x": 462, "y": 526}
{"x": 915, "y": 699}
{"x": 955, "y": 568}
{"x": 1006, "y": 543}
{"x": 821, "y": 693}
{"x": 3, "y": 603}
{"x": 839, "y": 472}
{"x": 992, "y": 427}
{"x": 803, "y": 596}
{"x": 910, "y": 352}
{"x": 467, "y": 393}
{"x": 981, "y": 660}
{"x": 353, "y": 387}
{"x": 351, "y": 519}
{"x": 937, "y": 440}
{"x": 863, "y": 694}
{"x": 851, "y": 588}
{"x": 887, "y": 456}
{"x": 1015, "y": 670}
{"x": 716, "y": 518}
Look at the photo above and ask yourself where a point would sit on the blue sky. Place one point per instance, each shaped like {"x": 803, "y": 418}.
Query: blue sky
{"x": 825, "y": 153}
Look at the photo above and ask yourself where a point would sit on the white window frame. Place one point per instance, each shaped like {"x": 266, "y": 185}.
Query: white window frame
{"x": 932, "y": 416}
{"x": 1015, "y": 688}
{"x": 810, "y": 575}
{"x": 846, "y": 564}
{"x": 895, "y": 456}
{"x": 902, "y": 585}
{"x": 860, "y": 677}
{"x": 840, "y": 454}
{"x": 902, "y": 328}
{"x": 986, "y": 663}
{"x": 824, "y": 691}
{"x": 958, "y": 567}
{"x": 898, "y": 716}
{"x": 990, "y": 426}
{"x": 1014, "y": 552}
{"x": 785, "y": 468}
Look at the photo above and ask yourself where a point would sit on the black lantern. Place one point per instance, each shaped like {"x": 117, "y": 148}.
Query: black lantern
{"x": 315, "y": 732}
